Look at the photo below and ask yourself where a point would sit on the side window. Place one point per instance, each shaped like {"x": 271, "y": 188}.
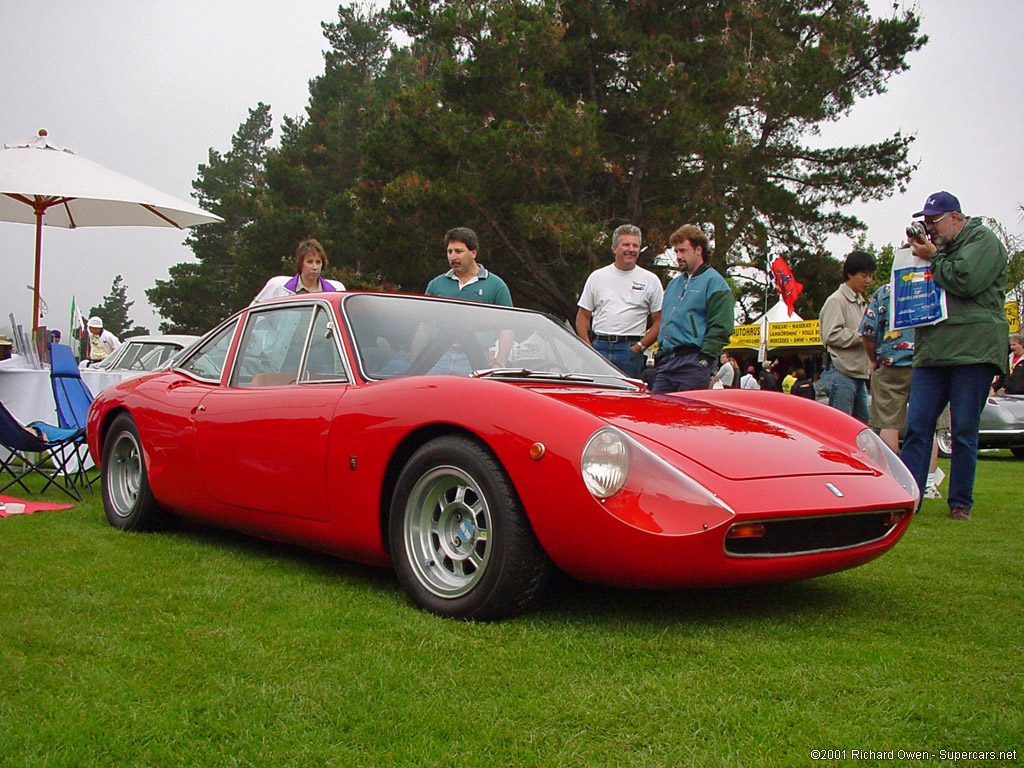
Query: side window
{"x": 207, "y": 361}
{"x": 271, "y": 348}
{"x": 128, "y": 359}
{"x": 323, "y": 363}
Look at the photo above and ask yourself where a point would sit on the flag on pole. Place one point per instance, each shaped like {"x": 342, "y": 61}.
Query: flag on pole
{"x": 78, "y": 332}
{"x": 786, "y": 283}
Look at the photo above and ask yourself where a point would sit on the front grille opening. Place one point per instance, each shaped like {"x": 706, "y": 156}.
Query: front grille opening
{"x": 804, "y": 535}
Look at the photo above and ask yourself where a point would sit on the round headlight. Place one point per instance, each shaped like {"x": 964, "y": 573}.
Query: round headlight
{"x": 605, "y": 463}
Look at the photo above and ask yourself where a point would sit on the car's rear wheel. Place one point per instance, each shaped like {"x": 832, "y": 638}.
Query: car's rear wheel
{"x": 944, "y": 437}
{"x": 461, "y": 543}
{"x": 127, "y": 499}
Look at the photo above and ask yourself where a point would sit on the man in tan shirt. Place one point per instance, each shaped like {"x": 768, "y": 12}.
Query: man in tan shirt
{"x": 840, "y": 322}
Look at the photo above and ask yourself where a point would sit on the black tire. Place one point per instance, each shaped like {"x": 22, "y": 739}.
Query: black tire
{"x": 461, "y": 543}
{"x": 1018, "y": 453}
{"x": 127, "y": 500}
{"x": 945, "y": 440}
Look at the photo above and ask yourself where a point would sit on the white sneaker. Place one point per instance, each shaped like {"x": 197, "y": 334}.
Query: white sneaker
{"x": 931, "y": 492}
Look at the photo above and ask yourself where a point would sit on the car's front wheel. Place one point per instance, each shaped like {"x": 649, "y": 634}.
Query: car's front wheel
{"x": 127, "y": 500}
{"x": 461, "y": 543}
{"x": 944, "y": 437}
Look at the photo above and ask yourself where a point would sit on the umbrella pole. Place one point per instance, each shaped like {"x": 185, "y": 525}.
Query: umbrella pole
{"x": 39, "y": 250}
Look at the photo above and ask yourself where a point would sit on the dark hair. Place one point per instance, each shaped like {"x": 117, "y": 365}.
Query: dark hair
{"x": 304, "y": 249}
{"x": 858, "y": 261}
{"x": 696, "y": 236}
{"x": 463, "y": 235}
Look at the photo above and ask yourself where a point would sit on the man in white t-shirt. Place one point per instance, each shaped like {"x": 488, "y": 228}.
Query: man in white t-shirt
{"x": 617, "y": 302}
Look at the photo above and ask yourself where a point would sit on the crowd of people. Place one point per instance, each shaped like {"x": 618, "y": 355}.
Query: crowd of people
{"x": 900, "y": 382}
{"x": 919, "y": 375}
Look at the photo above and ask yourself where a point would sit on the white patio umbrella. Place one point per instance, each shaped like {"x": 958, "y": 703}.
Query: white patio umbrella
{"x": 43, "y": 183}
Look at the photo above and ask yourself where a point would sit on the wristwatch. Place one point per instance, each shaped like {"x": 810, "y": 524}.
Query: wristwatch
{"x": 639, "y": 344}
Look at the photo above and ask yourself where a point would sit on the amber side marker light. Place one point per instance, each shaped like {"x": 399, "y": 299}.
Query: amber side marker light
{"x": 537, "y": 451}
{"x": 746, "y": 531}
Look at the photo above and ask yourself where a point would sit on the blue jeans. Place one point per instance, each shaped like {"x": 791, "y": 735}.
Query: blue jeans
{"x": 849, "y": 395}
{"x": 618, "y": 353}
{"x": 681, "y": 373}
{"x": 451, "y": 363}
{"x": 965, "y": 388}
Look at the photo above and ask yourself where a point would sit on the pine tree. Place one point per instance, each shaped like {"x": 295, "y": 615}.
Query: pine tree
{"x": 114, "y": 312}
{"x": 227, "y": 275}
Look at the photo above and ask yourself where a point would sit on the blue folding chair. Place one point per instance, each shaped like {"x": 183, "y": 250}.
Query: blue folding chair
{"x": 49, "y": 458}
{"x": 72, "y": 398}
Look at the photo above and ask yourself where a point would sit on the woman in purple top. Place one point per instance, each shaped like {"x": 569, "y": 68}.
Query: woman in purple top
{"x": 310, "y": 261}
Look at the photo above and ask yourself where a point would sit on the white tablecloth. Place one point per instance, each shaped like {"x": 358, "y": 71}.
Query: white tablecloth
{"x": 27, "y": 393}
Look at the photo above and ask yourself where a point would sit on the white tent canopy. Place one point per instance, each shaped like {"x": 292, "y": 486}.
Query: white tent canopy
{"x": 778, "y": 314}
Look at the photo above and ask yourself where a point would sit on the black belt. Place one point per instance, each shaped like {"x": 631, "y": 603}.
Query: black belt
{"x": 604, "y": 337}
{"x": 666, "y": 354}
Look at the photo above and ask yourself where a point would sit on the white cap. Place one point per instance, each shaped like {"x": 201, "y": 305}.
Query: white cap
{"x": 95, "y": 322}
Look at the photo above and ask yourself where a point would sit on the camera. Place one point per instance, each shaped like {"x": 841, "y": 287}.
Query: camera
{"x": 916, "y": 231}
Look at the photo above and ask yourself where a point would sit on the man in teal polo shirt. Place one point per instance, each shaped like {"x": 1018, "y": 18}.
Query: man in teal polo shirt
{"x": 467, "y": 279}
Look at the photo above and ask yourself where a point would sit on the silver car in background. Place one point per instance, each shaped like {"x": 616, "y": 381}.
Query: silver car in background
{"x": 141, "y": 354}
{"x": 1002, "y": 426}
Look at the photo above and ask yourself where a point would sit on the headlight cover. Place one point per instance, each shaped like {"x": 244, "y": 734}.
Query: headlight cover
{"x": 605, "y": 463}
{"x": 882, "y": 456}
{"x": 643, "y": 490}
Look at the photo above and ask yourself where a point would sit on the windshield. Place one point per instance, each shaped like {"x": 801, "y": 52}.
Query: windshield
{"x": 409, "y": 336}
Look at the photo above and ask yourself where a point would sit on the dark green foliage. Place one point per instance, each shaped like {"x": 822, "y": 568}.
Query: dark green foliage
{"x": 543, "y": 124}
{"x": 114, "y": 312}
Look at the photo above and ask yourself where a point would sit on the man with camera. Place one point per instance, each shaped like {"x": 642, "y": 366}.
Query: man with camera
{"x": 955, "y": 360}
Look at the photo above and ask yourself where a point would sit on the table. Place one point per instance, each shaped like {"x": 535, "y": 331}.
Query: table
{"x": 27, "y": 393}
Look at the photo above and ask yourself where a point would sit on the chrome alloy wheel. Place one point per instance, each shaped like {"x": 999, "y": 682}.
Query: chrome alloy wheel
{"x": 124, "y": 474}
{"x": 447, "y": 531}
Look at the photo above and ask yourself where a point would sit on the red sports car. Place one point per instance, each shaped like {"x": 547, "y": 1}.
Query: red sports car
{"x": 476, "y": 447}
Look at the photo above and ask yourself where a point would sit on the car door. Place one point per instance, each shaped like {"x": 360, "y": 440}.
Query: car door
{"x": 168, "y": 431}
{"x": 262, "y": 439}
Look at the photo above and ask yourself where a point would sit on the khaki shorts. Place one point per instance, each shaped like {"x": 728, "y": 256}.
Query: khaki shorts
{"x": 890, "y": 391}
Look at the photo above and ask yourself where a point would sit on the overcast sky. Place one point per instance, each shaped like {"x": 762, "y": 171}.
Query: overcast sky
{"x": 147, "y": 88}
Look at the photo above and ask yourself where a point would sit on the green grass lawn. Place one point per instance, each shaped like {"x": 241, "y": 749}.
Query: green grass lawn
{"x": 203, "y": 648}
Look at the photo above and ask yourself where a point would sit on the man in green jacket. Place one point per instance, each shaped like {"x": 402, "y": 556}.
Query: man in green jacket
{"x": 955, "y": 360}
{"x": 697, "y": 316}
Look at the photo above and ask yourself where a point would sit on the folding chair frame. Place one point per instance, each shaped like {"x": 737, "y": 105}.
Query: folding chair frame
{"x": 70, "y": 396}
{"x": 20, "y": 443}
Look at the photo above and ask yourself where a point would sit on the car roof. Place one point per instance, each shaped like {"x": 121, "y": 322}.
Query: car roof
{"x": 173, "y": 338}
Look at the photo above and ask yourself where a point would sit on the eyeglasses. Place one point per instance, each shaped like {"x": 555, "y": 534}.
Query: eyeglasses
{"x": 933, "y": 222}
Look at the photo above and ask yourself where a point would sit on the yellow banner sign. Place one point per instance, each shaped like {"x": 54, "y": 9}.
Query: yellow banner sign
{"x": 745, "y": 337}
{"x": 803, "y": 334}
{"x": 806, "y": 333}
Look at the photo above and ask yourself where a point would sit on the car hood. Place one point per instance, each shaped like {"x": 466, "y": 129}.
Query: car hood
{"x": 727, "y": 441}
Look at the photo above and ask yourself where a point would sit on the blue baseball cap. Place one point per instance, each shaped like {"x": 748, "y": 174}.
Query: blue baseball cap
{"x": 939, "y": 203}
